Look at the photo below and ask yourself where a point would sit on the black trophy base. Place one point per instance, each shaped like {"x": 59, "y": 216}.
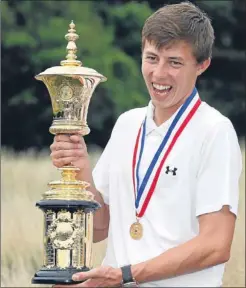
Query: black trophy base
{"x": 56, "y": 276}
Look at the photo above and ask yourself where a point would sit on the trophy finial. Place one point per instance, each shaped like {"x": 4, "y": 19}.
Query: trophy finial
{"x": 71, "y": 37}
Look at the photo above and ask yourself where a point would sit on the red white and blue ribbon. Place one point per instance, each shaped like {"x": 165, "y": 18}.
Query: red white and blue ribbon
{"x": 182, "y": 118}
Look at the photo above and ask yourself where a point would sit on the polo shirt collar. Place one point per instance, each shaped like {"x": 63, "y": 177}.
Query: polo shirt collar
{"x": 150, "y": 124}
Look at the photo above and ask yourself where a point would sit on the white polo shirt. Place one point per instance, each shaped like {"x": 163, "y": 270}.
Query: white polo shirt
{"x": 208, "y": 165}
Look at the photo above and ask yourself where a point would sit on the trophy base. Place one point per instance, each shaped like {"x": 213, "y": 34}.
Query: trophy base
{"x": 56, "y": 276}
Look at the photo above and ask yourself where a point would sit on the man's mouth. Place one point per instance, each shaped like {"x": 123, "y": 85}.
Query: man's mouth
{"x": 161, "y": 89}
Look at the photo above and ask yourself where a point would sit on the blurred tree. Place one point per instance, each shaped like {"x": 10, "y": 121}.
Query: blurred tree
{"x": 110, "y": 42}
{"x": 33, "y": 42}
{"x": 223, "y": 85}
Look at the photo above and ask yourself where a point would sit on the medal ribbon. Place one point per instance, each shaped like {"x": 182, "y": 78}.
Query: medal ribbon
{"x": 140, "y": 189}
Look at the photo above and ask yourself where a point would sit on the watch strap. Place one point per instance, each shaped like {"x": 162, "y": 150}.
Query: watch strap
{"x": 127, "y": 274}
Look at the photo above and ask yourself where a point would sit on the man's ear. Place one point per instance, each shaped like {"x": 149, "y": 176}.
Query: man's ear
{"x": 203, "y": 66}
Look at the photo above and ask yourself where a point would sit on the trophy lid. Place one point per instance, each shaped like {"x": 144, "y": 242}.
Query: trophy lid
{"x": 71, "y": 66}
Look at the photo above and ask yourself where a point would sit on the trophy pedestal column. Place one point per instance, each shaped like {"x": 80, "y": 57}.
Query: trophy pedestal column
{"x": 67, "y": 240}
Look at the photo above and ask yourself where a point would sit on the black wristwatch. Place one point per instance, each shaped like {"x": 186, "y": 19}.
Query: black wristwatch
{"x": 127, "y": 279}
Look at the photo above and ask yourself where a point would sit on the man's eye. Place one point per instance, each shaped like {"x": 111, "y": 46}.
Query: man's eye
{"x": 152, "y": 58}
{"x": 175, "y": 63}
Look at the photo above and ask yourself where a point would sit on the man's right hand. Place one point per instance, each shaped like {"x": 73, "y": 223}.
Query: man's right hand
{"x": 69, "y": 150}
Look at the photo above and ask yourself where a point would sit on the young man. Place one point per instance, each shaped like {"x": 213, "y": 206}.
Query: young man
{"x": 168, "y": 177}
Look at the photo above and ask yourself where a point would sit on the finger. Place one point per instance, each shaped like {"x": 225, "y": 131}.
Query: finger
{"x": 64, "y": 161}
{"x": 91, "y": 283}
{"x": 65, "y": 146}
{"x": 76, "y": 138}
{"x": 79, "y": 140}
{"x": 93, "y": 273}
{"x": 66, "y": 286}
{"x": 67, "y": 153}
{"x": 62, "y": 138}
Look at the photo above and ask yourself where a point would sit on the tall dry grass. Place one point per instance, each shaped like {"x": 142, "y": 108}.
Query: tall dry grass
{"x": 24, "y": 179}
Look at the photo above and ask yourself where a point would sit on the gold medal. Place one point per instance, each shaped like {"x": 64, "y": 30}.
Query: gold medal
{"x": 136, "y": 230}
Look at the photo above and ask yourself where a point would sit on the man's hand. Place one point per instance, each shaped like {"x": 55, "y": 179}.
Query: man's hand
{"x": 103, "y": 276}
{"x": 67, "y": 149}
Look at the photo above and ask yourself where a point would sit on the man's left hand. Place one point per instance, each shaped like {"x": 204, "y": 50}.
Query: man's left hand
{"x": 97, "y": 277}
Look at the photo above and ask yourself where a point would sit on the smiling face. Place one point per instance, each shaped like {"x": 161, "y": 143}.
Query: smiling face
{"x": 170, "y": 73}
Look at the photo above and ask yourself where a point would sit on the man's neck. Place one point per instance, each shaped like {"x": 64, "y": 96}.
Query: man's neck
{"x": 161, "y": 115}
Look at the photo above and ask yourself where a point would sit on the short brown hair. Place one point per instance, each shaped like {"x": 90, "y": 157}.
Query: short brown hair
{"x": 183, "y": 21}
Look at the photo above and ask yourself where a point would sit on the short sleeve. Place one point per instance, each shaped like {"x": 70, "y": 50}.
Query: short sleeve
{"x": 219, "y": 171}
{"x": 101, "y": 172}
{"x": 102, "y": 168}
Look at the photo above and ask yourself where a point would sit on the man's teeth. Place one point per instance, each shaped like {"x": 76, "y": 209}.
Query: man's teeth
{"x": 161, "y": 87}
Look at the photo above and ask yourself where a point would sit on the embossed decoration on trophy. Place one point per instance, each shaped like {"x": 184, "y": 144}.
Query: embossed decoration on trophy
{"x": 68, "y": 206}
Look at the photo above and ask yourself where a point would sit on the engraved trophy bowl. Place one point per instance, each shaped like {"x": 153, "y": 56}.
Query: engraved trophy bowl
{"x": 68, "y": 206}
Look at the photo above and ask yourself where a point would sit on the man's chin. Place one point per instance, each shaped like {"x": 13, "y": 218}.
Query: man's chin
{"x": 160, "y": 99}
{"x": 162, "y": 104}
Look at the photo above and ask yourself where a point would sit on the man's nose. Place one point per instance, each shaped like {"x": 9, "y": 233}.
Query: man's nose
{"x": 160, "y": 71}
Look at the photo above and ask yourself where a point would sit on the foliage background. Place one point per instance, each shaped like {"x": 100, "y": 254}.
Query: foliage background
{"x": 110, "y": 40}
{"x": 110, "y": 37}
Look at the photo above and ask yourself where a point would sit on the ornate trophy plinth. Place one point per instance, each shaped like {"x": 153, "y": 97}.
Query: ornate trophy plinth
{"x": 68, "y": 206}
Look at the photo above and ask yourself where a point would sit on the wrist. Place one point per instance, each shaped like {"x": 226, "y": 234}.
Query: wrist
{"x": 118, "y": 275}
{"x": 85, "y": 171}
{"x": 140, "y": 272}
{"x": 127, "y": 278}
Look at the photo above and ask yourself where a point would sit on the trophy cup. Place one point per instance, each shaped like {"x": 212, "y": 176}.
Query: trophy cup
{"x": 68, "y": 206}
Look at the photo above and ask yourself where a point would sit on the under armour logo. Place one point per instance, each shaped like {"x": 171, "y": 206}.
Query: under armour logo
{"x": 171, "y": 170}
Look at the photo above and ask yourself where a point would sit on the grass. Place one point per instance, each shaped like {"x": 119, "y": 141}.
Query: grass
{"x": 24, "y": 179}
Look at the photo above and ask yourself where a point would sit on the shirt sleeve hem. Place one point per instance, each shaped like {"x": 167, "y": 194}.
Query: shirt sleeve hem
{"x": 215, "y": 208}
{"x": 105, "y": 198}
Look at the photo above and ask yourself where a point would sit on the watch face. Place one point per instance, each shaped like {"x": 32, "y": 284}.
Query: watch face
{"x": 66, "y": 92}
